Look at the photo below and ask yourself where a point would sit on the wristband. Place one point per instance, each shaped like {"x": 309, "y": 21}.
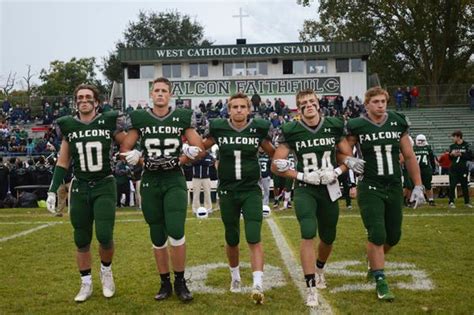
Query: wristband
{"x": 300, "y": 176}
{"x": 58, "y": 178}
{"x": 338, "y": 171}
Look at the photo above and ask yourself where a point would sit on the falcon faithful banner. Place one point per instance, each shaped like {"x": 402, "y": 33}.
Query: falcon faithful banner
{"x": 326, "y": 85}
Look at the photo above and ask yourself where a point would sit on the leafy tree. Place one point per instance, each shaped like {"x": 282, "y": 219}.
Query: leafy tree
{"x": 155, "y": 30}
{"x": 413, "y": 41}
{"x": 62, "y": 77}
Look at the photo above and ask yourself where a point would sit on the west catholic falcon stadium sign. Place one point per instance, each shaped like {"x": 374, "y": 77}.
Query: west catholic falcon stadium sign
{"x": 326, "y": 85}
{"x": 244, "y": 51}
{"x": 321, "y": 49}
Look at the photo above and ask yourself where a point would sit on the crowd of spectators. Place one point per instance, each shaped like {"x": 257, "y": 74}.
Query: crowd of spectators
{"x": 15, "y": 172}
{"x": 408, "y": 97}
{"x": 276, "y": 110}
{"x": 18, "y": 137}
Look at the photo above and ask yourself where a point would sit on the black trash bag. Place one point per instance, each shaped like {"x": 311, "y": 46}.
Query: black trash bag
{"x": 27, "y": 200}
{"x": 10, "y": 201}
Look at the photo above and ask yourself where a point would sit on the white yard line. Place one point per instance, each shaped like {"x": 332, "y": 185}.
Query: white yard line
{"x": 218, "y": 218}
{"x": 294, "y": 268}
{"x": 342, "y": 216}
{"x": 4, "y": 239}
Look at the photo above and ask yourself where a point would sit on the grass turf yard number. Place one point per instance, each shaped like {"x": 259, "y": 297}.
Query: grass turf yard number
{"x": 274, "y": 278}
{"x": 419, "y": 278}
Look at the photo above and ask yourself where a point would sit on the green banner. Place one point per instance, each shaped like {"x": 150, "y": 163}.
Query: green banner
{"x": 325, "y": 85}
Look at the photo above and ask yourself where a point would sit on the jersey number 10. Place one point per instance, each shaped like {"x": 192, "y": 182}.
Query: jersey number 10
{"x": 86, "y": 161}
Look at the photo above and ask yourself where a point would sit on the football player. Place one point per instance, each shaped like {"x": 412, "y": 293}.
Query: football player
{"x": 87, "y": 140}
{"x": 238, "y": 139}
{"x": 459, "y": 153}
{"x": 426, "y": 161}
{"x": 314, "y": 140}
{"x": 163, "y": 186}
{"x": 382, "y": 135}
{"x": 265, "y": 175}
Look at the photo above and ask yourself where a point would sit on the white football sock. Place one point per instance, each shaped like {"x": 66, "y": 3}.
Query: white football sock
{"x": 104, "y": 268}
{"x": 235, "y": 272}
{"x": 257, "y": 278}
{"x": 86, "y": 279}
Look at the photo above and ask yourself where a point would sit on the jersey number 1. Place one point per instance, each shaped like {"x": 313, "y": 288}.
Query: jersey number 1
{"x": 238, "y": 164}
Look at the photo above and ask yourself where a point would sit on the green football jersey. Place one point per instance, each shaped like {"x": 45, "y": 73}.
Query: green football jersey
{"x": 314, "y": 148}
{"x": 161, "y": 136}
{"x": 91, "y": 143}
{"x": 424, "y": 156}
{"x": 239, "y": 168}
{"x": 459, "y": 163}
{"x": 380, "y": 146}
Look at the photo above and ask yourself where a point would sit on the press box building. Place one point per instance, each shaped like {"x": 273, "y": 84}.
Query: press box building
{"x": 271, "y": 70}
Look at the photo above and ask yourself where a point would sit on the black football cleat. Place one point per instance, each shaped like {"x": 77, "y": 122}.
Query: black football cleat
{"x": 182, "y": 290}
{"x": 165, "y": 291}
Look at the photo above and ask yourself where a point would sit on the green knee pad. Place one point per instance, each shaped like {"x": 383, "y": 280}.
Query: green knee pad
{"x": 158, "y": 234}
{"x": 82, "y": 237}
{"x": 308, "y": 228}
{"x": 376, "y": 234}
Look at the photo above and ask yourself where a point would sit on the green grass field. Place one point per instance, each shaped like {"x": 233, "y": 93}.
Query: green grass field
{"x": 429, "y": 271}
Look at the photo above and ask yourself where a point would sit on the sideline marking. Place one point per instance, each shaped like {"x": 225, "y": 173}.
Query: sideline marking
{"x": 294, "y": 268}
{"x": 4, "y": 239}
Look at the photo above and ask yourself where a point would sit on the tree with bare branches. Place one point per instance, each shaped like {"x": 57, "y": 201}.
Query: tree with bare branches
{"x": 27, "y": 79}
{"x": 7, "y": 85}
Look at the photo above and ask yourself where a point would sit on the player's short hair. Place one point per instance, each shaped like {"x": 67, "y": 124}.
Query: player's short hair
{"x": 162, "y": 80}
{"x": 93, "y": 88}
{"x": 303, "y": 93}
{"x": 375, "y": 91}
{"x": 457, "y": 133}
{"x": 238, "y": 95}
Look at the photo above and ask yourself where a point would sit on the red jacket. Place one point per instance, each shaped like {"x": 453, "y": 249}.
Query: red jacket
{"x": 444, "y": 160}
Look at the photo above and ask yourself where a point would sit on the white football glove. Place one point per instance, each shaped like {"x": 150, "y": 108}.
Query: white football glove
{"x": 132, "y": 157}
{"x": 311, "y": 178}
{"x": 355, "y": 164}
{"x": 418, "y": 195}
{"x": 191, "y": 151}
{"x": 282, "y": 165}
{"x": 51, "y": 202}
{"x": 329, "y": 176}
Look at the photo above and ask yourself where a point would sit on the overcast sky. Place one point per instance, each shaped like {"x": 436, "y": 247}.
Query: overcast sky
{"x": 37, "y": 32}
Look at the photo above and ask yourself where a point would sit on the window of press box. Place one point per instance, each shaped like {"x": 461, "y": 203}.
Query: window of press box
{"x": 342, "y": 65}
{"x": 357, "y": 65}
{"x": 172, "y": 70}
{"x": 257, "y": 68}
{"x": 316, "y": 66}
{"x": 147, "y": 72}
{"x": 234, "y": 69}
{"x": 293, "y": 66}
{"x": 198, "y": 70}
{"x": 133, "y": 71}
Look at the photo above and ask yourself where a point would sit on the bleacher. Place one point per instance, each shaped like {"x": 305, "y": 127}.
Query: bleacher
{"x": 437, "y": 124}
